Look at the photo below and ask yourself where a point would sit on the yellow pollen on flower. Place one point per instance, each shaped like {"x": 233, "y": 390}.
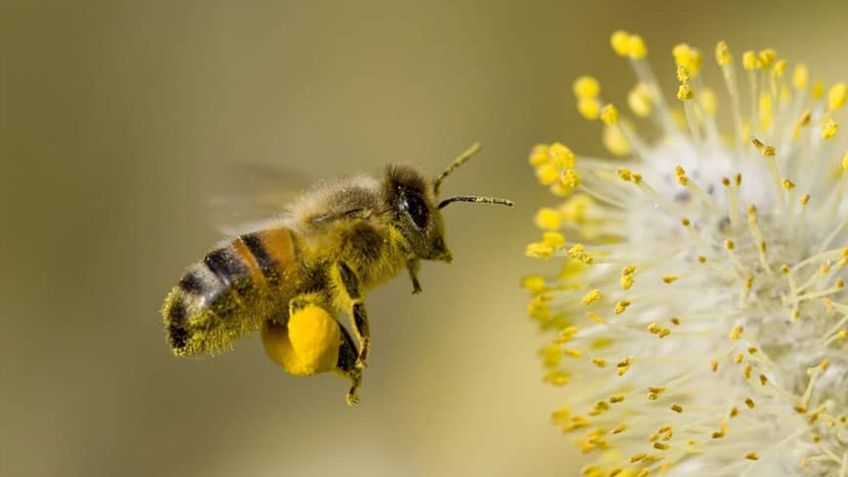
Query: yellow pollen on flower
{"x": 767, "y": 57}
{"x": 636, "y": 48}
{"x": 669, "y": 279}
{"x": 621, "y": 306}
{"x": 570, "y": 179}
{"x": 620, "y": 41}
{"x": 547, "y": 174}
{"x": 539, "y": 251}
{"x": 578, "y": 252}
{"x": 687, "y": 57}
{"x": 553, "y": 239}
{"x": 683, "y": 74}
{"x": 533, "y": 283}
{"x": 677, "y": 408}
{"x": 752, "y": 456}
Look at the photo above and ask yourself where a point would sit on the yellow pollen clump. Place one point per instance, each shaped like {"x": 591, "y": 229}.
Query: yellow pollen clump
{"x": 787, "y": 184}
{"x": 533, "y": 283}
{"x": 752, "y": 456}
{"x": 767, "y": 57}
{"x": 539, "y": 251}
{"x": 553, "y": 239}
{"x": 547, "y": 219}
{"x": 636, "y": 48}
{"x": 570, "y": 179}
{"x": 586, "y": 87}
{"x": 578, "y": 252}
{"x": 547, "y": 174}
{"x": 677, "y": 408}
{"x": 621, "y": 306}
{"x": 620, "y": 41}
{"x": 683, "y": 74}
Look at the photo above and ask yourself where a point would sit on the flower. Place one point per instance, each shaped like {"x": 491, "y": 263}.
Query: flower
{"x": 698, "y": 315}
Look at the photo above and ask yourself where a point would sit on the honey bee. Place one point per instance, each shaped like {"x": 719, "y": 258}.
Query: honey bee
{"x": 295, "y": 276}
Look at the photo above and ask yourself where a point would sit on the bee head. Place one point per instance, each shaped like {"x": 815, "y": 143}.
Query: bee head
{"x": 415, "y": 212}
{"x": 414, "y": 203}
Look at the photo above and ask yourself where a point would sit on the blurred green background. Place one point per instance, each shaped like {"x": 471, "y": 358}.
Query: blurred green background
{"x": 116, "y": 119}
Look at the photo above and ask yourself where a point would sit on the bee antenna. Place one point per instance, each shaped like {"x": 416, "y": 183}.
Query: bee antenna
{"x": 465, "y": 156}
{"x": 476, "y": 200}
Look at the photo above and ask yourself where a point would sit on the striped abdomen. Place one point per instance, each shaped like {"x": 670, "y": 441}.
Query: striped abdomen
{"x": 231, "y": 292}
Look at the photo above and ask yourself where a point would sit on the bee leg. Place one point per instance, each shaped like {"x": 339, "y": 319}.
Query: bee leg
{"x": 346, "y": 366}
{"x": 412, "y": 266}
{"x": 360, "y": 316}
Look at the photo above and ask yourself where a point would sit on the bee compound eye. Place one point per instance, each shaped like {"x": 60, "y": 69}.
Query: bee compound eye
{"x": 417, "y": 210}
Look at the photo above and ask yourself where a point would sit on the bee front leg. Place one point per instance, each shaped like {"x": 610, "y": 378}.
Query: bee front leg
{"x": 412, "y": 266}
{"x": 360, "y": 316}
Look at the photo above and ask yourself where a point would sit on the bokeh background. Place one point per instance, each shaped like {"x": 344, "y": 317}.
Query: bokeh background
{"x": 118, "y": 118}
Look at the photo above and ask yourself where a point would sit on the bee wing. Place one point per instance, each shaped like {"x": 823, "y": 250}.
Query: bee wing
{"x": 254, "y": 193}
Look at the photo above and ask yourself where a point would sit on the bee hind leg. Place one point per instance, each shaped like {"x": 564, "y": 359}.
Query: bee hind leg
{"x": 412, "y": 265}
{"x": 346, "y": 366}
{"x": 358, "y": 313}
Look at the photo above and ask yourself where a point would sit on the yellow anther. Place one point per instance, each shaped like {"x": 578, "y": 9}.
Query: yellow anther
{"x": 661, "y": 445}
{"x": 562, "y": 155}
{"x": 750, "y": 60}
{"x": 687, "y": 57}
{"x": 670, "y": 279}
{"x": 837, "y": 96}
{"x": 628, "y": 270}
{"x": 626, "y": 282}
{"x": 553, "y": 239}
{"x": 765, "y": 150}
{"x": 683, "y": 74}
{"x": 533, "y": 283}
{"x": 677, "y": 408}
{"x": 817, "y": 91}
{"x": 681, "y": 175}
{"x": 578, "y": 252}
{"x": 616, "y": 398}
{"x": 746, "y": 371}
{"x": 609, "y": 115}
{"x": 734, "y": 411}
{"x": 722, "y": 54}
{"x": 654, "y": 328}
{"x": 685, "y": 222}
{"x": 664, "y": 332}
{"x": 637, "y": 178}
{"x": 718, "y": 434}
{"x": 684, "y": 92}
{"x": 729, "y": 244}
{"x": 625, "y": 174}
{"x": 675, "y": 321}
{"x": 539, "y": 155}
{"x": 736, "y": 332}
{"x": 787, "y": 184}
{"x": 829, "y": 129}
{"x": 738, "y": 358}
{"x": 621, "y": 306}
{"x": 636, "y": 48}
{"x": 547, "y": 174}
{"x": 750, "y": 403}
{"x": 547, "y": 219}
{"x": 639, "y": 100}
{"x": 708, "y": 101}
{"x": 620, "y": 41}
{"x": 779, "y": 68}
{"x": 589, "y": 108}
{"x": 763, "y": 379}
{"x": 591, "y": 297}
{"x": 752, "y": 456}
{"x": 586, "y": 87}
{"x": 570, "y": 179}
{"x": 714, "y": 365}
{"x": 572, "y": 352}
{"x": 615, "y": 141}
{"x": 800, "y": 77}
{"x": 804, "y": 199}
{"x": 767, "y": 58}
{"x": 702, "y": 259}
{"x": 539, "y": 250}
{"x": 599, "y": 362}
